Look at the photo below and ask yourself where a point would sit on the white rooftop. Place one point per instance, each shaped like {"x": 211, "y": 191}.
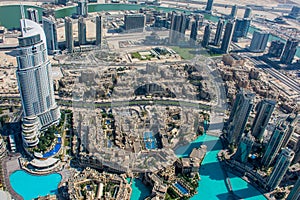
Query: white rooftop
{"x": 31, "y": 28}
{"x": 43, "y": 163}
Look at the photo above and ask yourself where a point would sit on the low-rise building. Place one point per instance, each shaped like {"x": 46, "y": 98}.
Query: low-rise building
{"x": 192, "y": 164}
{"x": 91, "y": 184}
{"x": 233, "y": 60}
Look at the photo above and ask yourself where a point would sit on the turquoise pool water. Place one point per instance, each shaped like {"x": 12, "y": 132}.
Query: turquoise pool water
{"x": 30, "y": 186}
{"x": 139, "y": 190}
{"x": 243, "y": 189}
{"x": 128, "y": 180}
{"x": 212, "y": 184}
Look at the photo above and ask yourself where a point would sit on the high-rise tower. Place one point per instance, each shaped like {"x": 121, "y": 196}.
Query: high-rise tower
{"x": 219, "y": 31}
{"x": 81, "y": 31}
{"x": 206, "y": 36}
{"x": 69, "y": 34}
{"x": 289, "y": 51}
{"x": 82, "y": 8}
{"x": 276, "y": 48}
{"x": 134, "y": 22}
{"x": 282, "y": 164}
{"x": 34, "y": 74}
{"x": 265, "y": 109}
{"x": 234, "y": 10}
{"x": 99, "y": 30}
{"x": 178, "y": 27}
{"x": 33, "y": 14}
{"x": 209, "y": 5}
{"x": 295, "y": 192}
{"x": 248, "y": 12}
{"x": 227, "y": 36}
{"x": 194, "y": 32}
{"x": 259, "y": 41}
{"x": 295, "y": 12}
{"x": 274, "y": 144}
{"x": 50, "y": 30}
{"x": 297, "y": 152}
{"x": 239, "y": 116}
{"x": 241, "y": 28}
{"x": 244, "y": 148}
{"x": 290, "y": 123}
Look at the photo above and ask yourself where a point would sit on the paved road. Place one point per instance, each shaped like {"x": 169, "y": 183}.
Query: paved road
{"x": 130, "y": 36}
{"x": 120, "y": 103}
{"x": 216, "y": 117}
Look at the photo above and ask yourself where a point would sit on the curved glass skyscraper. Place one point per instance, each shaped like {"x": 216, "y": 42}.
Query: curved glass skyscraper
{"x": 34, "y": 76}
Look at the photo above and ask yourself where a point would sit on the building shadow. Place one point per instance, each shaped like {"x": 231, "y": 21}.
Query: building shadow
{"x": 212, "y": 145}
{"x": 227, "y": 196}
{"x": 249, "y": 192}
{"x": 212, "y": 170}
{"x": 12, "y": 53}
{"x": 145, "y": 191}
{"x": 215, "y": 126}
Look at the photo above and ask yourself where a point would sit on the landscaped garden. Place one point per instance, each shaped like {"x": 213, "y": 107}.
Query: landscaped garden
{"x": 46, "y": 139}
{"x": 142, "y": 55}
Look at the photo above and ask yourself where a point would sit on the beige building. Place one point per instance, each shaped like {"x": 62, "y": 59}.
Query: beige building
{"x": 233, "y": 60}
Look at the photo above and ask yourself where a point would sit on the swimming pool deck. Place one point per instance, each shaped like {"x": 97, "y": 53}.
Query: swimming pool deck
{"x": 9, "y": 165}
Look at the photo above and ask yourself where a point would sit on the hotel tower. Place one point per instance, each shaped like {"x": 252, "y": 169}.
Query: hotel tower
{"x": 35, "y": 82}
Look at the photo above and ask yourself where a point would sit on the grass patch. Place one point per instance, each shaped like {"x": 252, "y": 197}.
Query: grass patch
{"x": 188, "y": 53}
{"x": 136, "y": 55}
{"x": 67, "y": 142}
{"x": 185, "y": 53}
{"x": 140, "y": 57}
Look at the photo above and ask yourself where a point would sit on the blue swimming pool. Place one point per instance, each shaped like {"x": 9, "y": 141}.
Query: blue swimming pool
{"x": 31, "y": 186}
{"x": 182, "y": 189}
{"x": 139, "y": 190}
{"x": 149, "y": 140}
{"x": 55, "y": 150}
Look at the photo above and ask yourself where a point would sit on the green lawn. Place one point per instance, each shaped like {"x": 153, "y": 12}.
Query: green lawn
{"x": 190, "y": 53}
{"x": 140, "y": 57}
{"x": 136, "y": 55}
{"x": 185, "y": 53}
{"x": 67, "y": 142}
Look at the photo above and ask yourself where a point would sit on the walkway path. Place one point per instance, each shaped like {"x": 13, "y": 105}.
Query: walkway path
{"x": 11, "y": 164}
